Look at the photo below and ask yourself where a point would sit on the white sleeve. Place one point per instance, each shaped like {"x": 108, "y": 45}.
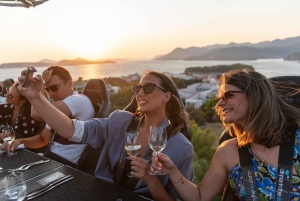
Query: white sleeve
{"x": 78, "y": 132}
{"x": 80, "y": 107}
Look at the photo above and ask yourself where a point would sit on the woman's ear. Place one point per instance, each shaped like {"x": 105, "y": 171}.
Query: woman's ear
{"x": 168, "y": 96}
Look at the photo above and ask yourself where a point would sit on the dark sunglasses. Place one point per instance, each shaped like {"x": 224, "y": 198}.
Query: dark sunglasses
{"x": 53, "y": 87}
{"x": 227, "y": 95}
{"x": 147, "y": 88}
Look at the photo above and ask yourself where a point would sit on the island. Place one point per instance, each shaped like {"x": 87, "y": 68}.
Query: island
{"x": 65, "y": 62}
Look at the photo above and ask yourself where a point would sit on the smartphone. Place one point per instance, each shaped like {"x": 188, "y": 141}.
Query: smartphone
{"x": 29, "y": 72}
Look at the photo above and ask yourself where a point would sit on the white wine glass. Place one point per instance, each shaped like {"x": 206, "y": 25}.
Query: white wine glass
{"x": 8, "y": 135}
{"x": 15, "y": 187}
{"x": 157, "y": 141}
{"x": 132, "y": 144}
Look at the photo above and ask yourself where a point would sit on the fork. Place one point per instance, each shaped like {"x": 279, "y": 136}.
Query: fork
{"x": 27, "y": 166}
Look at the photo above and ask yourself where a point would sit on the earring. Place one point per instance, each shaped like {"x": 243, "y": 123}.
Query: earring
{"x": 20, "y": 104}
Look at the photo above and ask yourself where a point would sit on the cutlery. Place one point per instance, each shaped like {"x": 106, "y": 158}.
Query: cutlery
{"x": 48, "y": 187}
{"x": 27, "y": 166}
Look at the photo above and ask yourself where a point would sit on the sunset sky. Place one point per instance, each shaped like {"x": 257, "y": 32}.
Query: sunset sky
{"x": 136, "y": 29}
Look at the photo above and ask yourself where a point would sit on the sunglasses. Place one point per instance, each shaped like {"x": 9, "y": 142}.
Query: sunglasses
{"x": 227, "y": 95}
{"x": 147, "y": 88}
{"x": 53, "y": 87}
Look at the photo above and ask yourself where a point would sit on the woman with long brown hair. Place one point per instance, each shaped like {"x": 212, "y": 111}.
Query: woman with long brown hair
{"x": 264, "y": 123}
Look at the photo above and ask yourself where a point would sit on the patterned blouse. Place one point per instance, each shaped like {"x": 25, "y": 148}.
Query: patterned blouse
{"x": 266, "y": 177}
{"x": 24, "y": 126}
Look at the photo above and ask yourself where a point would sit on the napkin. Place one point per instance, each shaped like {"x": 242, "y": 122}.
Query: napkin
{"x": 21, "y": 146}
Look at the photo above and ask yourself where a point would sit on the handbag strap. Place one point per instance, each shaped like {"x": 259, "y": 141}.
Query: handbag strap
{"x": 284, "y": 172}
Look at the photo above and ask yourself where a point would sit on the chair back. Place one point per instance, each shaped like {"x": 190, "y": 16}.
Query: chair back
{"x": 95, "y": 90}
{"x": 186, "y": 130}
{"x": 7, "y": 83}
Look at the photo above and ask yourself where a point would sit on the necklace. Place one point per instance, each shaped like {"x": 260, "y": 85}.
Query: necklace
{"x": 267, "y": 153}
{"x": 261, "y": 155}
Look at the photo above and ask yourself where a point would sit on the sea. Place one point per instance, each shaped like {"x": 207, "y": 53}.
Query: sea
{"x": 268, "y": 67}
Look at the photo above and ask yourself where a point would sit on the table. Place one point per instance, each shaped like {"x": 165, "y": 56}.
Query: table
{"x": 23, "y": 157}
{"x": 82, "y": 187}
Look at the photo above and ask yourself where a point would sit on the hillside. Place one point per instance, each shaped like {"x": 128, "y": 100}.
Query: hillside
{"x": 233, "y": 51}
{"x": 293, "y": 57}
{"x": 219, "y": 69}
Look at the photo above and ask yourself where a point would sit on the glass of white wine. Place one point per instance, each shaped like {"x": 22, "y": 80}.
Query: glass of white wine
{"x": 8, "y": 135}
{"x": 132, "y": 144}
{"x": 15, "y": 187}
{"x": 157, "y": 141}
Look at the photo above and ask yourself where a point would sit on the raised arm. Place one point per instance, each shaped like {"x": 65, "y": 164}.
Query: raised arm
{"x": 57, "y": 120}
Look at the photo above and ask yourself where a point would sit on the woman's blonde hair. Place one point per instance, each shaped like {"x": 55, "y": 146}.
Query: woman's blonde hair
{"x": 270, "y": 120}
{"x": 177, "y": 116}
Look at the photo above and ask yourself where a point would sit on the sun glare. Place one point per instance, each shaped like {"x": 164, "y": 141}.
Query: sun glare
{"x": 92, "y": 30}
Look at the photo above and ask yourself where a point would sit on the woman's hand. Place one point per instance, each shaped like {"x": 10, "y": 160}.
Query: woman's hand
{"x": 140, "y": 168}
{"x": 162, "y": 163}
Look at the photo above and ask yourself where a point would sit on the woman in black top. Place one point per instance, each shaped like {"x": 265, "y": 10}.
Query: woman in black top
{"x": 16, "y": 113}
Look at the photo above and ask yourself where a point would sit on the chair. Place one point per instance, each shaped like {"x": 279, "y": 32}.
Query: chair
{"x": 7, "y": 83}
{"x": 186, "y": 130}
{"x": 281, "y": 84}
{"x": 95, "y": 90}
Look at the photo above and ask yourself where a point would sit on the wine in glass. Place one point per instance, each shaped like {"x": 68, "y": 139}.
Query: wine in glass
{"x": 8, "y": 135}
{"x": 15, "y": 187}
{"x": 132, "y": 144}
{"x": 157, "y": 141}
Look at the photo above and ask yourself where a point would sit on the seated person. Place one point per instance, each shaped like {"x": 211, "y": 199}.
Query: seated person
{"x": 16, "y": 113}
{"x": 263, "y": 121}
{"x": 60, "y": 85}
{"x": 158, "y": 107}
{"x": 7, "y": 83}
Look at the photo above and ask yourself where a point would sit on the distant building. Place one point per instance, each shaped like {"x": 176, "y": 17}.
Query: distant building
{"x": 79, "y": 86}
{"x": 196, "y": 94}
{"x": 179, "y": 75}
{"x": 112, "y": 89}
{"x": 131, "y": 77}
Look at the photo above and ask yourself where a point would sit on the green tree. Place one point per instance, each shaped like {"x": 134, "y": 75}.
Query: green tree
{"x": 121, "y": 99}
{"x": 208, "y": 110}
{"x": 196, "y": 114}
{"x": 203, "y": 142}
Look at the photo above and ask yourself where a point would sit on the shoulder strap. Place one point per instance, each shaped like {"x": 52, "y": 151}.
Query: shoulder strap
{"x": 248, "y": 174}
{"x": 119, "y": 168}
{"x": 284, "y": 172}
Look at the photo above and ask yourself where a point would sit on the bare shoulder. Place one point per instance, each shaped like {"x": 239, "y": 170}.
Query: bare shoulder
{"x": 227, "y": 152}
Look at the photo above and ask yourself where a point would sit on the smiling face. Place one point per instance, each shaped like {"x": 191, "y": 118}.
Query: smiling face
{"x": 13, "y": 96}
{"x": 154, "y": 102}
{"x": 235, "y": 106}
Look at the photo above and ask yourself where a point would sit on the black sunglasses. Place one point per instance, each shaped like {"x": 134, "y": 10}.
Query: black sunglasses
{"x": 227, "y": 95}
{"x": 53, "y": 87}
{"x": 147, "y": 88}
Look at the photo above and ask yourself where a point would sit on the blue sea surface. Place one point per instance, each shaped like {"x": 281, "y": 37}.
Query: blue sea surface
{"x": 268, "y": 67}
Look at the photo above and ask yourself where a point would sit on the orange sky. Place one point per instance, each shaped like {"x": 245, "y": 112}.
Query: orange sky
{"x": 135, "y": 29}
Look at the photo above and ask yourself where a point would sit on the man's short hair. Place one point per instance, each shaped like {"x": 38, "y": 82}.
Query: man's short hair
{"x": 61, "y": 72}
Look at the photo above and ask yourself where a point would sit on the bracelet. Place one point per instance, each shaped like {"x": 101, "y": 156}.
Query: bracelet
{"x": 154, "y": 183}
{"x": 181, "y": 179}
